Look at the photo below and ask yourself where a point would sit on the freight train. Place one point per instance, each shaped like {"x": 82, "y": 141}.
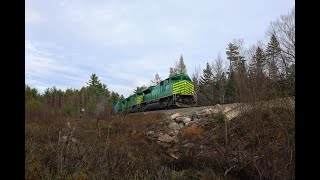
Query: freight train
{"x": 174, "y": 92}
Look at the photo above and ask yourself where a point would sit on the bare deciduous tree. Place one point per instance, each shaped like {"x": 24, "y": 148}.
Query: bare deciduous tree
{"x": 156, "y": 80}
{"x": 218, "y": 72}
{"x": 284, "y": 30}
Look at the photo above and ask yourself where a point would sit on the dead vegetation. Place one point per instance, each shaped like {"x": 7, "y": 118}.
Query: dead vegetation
{"x": 260, "y": 146}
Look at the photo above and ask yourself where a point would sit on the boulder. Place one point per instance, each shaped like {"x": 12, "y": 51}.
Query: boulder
{"x": 174, "y": 126}
{"x": 232, "y": 114}
{"x": 181, "y": 124}
{"x": 174, "y": 116}
{"x": 165, "y": 138}
{"x": 206, "y": 111}
{"x": 182, "y": 119}
{"x": 227, "y": 109}
{"x": 175, "y": 139}
{"x": 186, "y": 119}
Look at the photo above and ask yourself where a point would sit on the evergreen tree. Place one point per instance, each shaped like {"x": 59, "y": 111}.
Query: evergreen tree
{"x": 260, "y": 60}
{"x": 180, "y": 67}
{"x": 139, "y": 89}
{"x": 231, "y": 90}
{"x": 93, "y": 82}
{"x": 232, "y": 56}
{"x": 206, "y": 95}
{"x": 207, "y": 77}
{"x": 272, "y": 55}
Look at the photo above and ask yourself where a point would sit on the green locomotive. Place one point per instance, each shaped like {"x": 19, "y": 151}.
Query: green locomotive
{"x": 173, "y": 92}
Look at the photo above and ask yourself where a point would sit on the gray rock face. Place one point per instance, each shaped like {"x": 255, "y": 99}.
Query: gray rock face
{"x": 174, "y": 126}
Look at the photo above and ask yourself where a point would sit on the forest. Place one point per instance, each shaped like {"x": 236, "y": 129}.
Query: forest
{"x": 264, "y": 70}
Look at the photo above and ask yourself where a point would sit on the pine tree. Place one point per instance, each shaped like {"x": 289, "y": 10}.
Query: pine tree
{"x": 232, "y": 56}
{"x": 231, "y": 90}
{"x": 272, "y": 55}
{"x": 139, "y": 89}
{"x": 207, "y": 77}
{"x": 180, "y": 67}
{"x": 260, "y": 60}
{"x": 206, "y": 93}
{"x": 236, "y": 72}
{"x": 93, "y": 82}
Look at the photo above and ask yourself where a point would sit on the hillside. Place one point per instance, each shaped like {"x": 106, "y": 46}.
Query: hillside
{"x": 232, "y": 141}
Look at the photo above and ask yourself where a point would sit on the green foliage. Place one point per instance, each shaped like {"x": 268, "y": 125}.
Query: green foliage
{"x": 139, "y": 89}
{"x": 94, "y": 98}
{"x": 67, "y": 110}
{"x": 231, "y": 88}
{"x": 272, "y": 55}
{"x": 220, "y": 117}
{"x": 207, "y": 89}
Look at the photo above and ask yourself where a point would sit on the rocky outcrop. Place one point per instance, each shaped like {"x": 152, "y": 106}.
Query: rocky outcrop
{"x": 170, "y": 134}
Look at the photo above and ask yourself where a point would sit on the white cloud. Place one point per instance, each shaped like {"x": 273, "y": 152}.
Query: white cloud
{"x": 44, "y": 64}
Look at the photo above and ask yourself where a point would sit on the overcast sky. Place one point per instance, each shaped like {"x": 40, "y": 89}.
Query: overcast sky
{"x": 127, "y": 42}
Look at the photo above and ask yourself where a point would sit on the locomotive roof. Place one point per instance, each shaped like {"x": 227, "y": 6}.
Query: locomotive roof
{"x": 178, "y": 76}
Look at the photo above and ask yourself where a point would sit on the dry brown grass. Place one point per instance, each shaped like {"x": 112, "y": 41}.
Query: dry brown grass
{"x": 260, "y": 146}
{"x": 119, "y": 152}
{"x": 193, "y": 131}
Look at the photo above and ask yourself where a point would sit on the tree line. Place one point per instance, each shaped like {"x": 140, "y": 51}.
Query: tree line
{"x": 95, "y": 98}
{"x": 260, "y": 72}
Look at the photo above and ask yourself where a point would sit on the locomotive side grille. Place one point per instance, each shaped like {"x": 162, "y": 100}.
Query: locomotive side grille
{"x": 139, "y": 99}
{"x": 183, "y": 87}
